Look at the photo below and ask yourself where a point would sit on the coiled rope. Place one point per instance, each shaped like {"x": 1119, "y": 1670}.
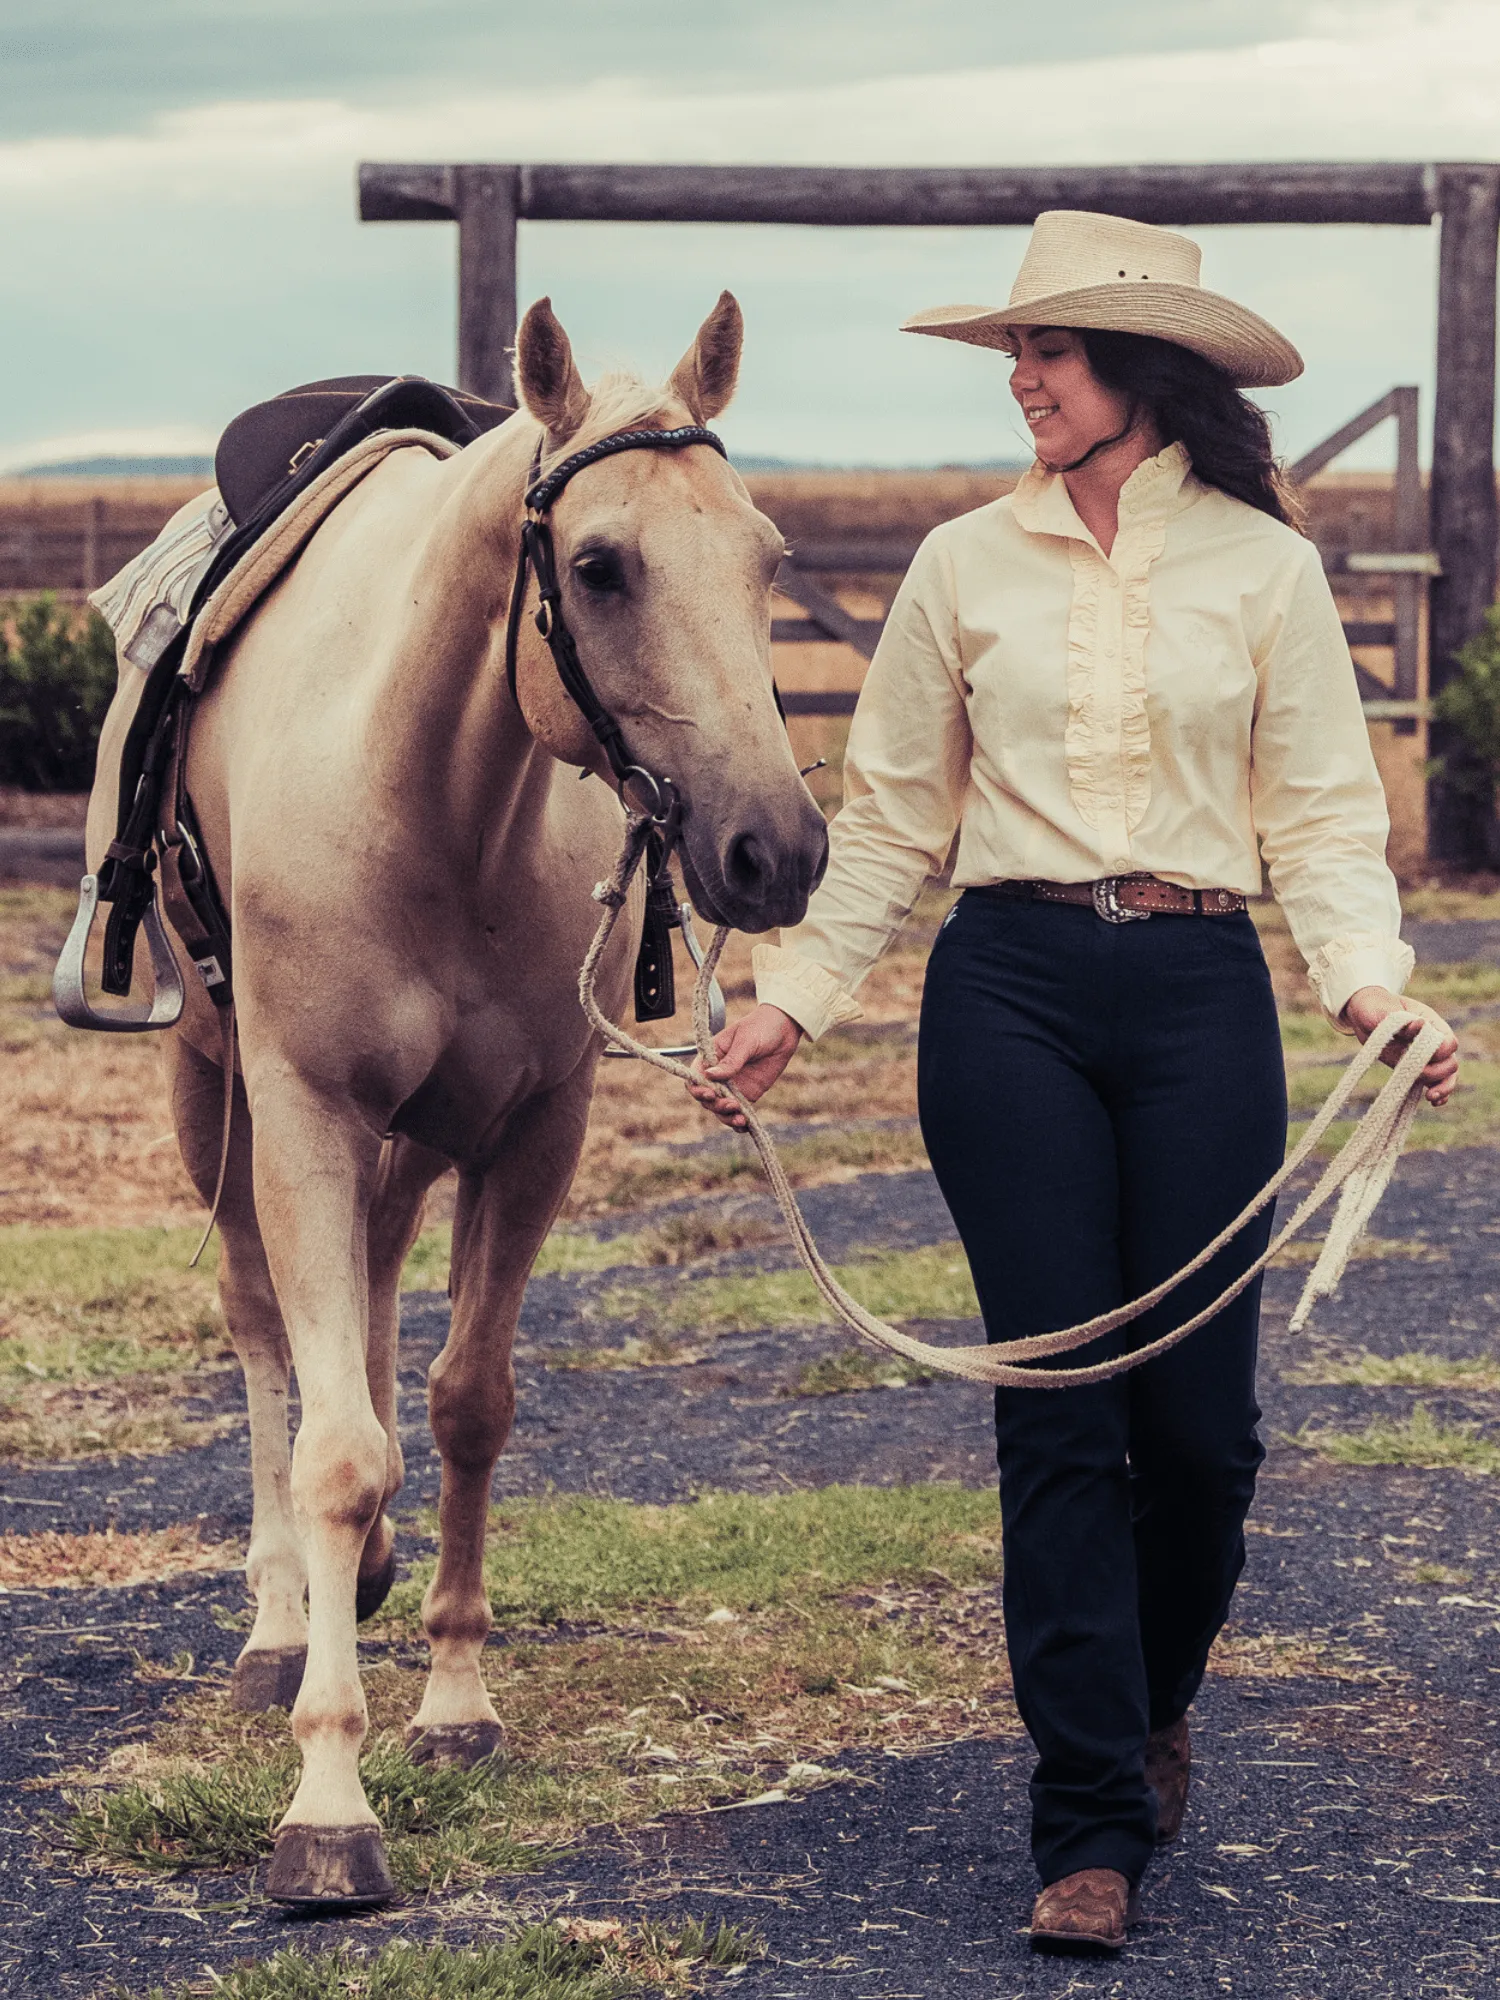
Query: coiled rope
{"x": 1361, "y": 1169}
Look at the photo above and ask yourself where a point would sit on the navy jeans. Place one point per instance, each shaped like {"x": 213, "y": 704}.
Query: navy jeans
{"x": 1098, "y": 1101}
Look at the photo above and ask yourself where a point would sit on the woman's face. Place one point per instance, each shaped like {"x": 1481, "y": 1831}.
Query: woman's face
{"x": 1066, "y": 407}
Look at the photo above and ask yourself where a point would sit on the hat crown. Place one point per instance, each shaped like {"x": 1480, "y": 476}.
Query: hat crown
{"x": 1071, "y": 249}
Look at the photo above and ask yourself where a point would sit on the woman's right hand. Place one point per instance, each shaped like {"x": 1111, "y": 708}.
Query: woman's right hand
{"x": 752, "y": 1053}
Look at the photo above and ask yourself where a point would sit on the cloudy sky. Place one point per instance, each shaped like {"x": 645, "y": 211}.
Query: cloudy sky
{"x": 177, "y": 200}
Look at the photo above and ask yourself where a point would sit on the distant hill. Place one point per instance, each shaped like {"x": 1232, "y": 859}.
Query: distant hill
{"x": 190, "y": 466}
{"x": 749, "y": 461}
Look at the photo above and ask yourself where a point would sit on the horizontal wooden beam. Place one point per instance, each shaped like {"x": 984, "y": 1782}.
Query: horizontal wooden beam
{"x": 823, "y": 701}
{"x": 1333, "y": 191}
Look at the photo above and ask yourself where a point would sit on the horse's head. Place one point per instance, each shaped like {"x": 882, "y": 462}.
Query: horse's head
{"x": 665, "y": 568}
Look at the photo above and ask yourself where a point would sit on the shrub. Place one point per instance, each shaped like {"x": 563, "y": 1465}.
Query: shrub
{"x": 57, "y": 678}
{"x": 1471, "y": 703}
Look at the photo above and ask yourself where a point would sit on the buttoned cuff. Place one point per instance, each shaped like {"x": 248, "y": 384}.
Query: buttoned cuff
{"x": 1363, "y": 958}
{"x": 799, "y": 987}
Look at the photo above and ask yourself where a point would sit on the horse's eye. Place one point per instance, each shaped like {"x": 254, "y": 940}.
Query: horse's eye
{"x": 599, "y": 573}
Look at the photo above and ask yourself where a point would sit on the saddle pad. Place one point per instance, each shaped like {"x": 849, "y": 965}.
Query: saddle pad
{"x": 146, "y": 604}
{"x": 276, "y": 550}
{"x": 143, "y": 605}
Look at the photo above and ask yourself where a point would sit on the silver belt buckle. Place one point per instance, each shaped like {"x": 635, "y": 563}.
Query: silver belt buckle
{"x": 1107, "y": 903}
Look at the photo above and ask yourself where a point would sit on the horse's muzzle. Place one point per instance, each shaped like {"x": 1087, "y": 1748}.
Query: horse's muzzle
{"x": 757, "y": 876}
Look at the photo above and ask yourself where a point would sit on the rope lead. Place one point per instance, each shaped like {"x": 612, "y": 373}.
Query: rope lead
{"x": 1359, "y": 1173}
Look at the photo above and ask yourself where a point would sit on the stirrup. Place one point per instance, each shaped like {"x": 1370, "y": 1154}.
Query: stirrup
{"x": 72, "y": 1003}
{"x": 718, "y": 1013}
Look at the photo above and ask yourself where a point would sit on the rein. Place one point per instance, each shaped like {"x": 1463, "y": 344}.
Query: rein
{"x": 1361, "y": 1170}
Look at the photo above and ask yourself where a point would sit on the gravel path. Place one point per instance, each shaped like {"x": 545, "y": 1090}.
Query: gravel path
{"x": 1344, "y": 1836}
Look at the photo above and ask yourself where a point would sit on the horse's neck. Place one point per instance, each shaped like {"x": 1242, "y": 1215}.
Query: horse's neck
{"x": 447, "y": 725}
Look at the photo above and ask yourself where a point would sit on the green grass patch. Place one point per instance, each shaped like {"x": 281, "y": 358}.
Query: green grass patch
{"x": 1415, "y": 1370}
{"x": 565, "y": 1251}
{"x": 558, "y": 1960}
{"x": 1466, "y": 985}
{"x": 1302, "y": 1033}
{"x": 714, "y": 1651}
{"x": 442, "y": 1824}
{"x": 854, "y": 1369}
{"x": 80, "y": 1304}
{"x": 1418, "y": 1440}
{"x": 1472, "y": 1117}
{"x": 575, "y": 1557}
{"x": 931, "y": 1283}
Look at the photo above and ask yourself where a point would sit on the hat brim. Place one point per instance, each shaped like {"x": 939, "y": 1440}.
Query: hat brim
{"x": 1249, "y": 349}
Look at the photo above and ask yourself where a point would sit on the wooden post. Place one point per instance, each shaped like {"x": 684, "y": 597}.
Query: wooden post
{"x": 487, "y": 200}
{"x": 93, "y": 543}
{"x": 1411, "y": 533}
{"x": 1464, "y": 523}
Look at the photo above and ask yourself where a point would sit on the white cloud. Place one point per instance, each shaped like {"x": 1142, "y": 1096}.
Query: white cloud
{"x": 1394, "y": 82}
{"x": 213, "y": 257}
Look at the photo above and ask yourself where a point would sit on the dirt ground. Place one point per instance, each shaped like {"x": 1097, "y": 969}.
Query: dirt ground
{"x": 1344, "y": 1836}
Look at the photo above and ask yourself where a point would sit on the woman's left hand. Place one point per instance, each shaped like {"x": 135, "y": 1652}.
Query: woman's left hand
{"x": 1366, "y": 1008}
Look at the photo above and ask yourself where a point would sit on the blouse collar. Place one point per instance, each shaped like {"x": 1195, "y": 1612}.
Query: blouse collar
{"x": 1159, "y": 487}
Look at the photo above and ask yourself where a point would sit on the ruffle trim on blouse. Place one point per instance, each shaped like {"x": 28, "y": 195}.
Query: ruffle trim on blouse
{"x": 802, "y": 988}
{"x": 1081, "y": 744}
{"x": 1109, "y": 779}
{"x": 1141, "y": 537}
{"x": 1354, "y": 959}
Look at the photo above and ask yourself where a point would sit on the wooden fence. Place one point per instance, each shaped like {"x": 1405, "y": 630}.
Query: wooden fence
{"x": 488, "y": 201}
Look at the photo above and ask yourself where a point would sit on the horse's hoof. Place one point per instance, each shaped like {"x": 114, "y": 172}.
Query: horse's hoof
{"x": 322, "y": 1866}
{"x": 267, "y": 1678}
{"x": 463, "y": 1743}
{"x": 370, "y": 1592}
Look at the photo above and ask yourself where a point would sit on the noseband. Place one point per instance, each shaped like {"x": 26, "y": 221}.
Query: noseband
{"x": 660, "y": 798}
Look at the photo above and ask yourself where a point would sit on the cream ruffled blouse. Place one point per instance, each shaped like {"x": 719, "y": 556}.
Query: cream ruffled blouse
{"x": 1073, "y": 715}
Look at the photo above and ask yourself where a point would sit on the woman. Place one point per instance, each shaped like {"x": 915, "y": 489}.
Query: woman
{"x": 1111, "y": 684}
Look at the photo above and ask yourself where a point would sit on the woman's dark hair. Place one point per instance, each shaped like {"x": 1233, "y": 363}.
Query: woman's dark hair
{"x": 1195, "y": 404}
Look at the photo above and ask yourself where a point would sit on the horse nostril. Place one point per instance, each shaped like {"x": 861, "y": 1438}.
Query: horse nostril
{"x": 746, "y": 868}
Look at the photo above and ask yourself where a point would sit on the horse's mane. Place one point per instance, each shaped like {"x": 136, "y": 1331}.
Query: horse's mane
{"x": 619, "y": 401}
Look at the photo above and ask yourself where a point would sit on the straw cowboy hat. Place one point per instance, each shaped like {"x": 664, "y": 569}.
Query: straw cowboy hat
{"x": 1083, "y": 270}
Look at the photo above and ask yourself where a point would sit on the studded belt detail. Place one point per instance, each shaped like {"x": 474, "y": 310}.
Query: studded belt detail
{"x": 1124, "y": 899}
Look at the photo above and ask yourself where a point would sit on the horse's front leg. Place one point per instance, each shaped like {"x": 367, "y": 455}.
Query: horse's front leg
{"x": 316, "y": 1164}
{"x": 407, "y": 1170}
{"x": 502, "y": 1221}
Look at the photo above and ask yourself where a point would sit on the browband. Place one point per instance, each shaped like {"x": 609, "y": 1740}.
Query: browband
{"x": 541, "y": 494}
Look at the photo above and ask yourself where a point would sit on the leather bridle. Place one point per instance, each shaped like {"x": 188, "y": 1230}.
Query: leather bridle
{"x": 659, "y": 796}
{"x": 650, "y": 793}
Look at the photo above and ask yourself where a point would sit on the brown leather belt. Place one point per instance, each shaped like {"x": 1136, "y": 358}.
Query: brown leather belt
{"x": 1121, "y": 899}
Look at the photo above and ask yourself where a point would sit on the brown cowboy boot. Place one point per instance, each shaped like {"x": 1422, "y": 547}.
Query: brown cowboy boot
{"x": 1087, "y": 1912}
{"x": 1169, "y": 1765}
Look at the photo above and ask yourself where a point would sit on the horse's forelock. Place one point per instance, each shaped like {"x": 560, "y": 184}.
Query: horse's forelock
{"x": 618, "y": 402}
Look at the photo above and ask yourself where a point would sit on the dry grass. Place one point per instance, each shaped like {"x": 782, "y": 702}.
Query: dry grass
{"x": 1289, "y": 1656}
{"x": 85, "y": 1136}
{"x": 49, "y": 1561}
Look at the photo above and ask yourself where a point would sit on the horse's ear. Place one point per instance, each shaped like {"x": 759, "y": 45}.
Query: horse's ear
{"x": 547, "y": 380}
{"x": 705, "y": 376}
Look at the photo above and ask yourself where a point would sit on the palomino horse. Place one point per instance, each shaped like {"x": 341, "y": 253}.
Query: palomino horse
{"x": 408, "y": 860}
